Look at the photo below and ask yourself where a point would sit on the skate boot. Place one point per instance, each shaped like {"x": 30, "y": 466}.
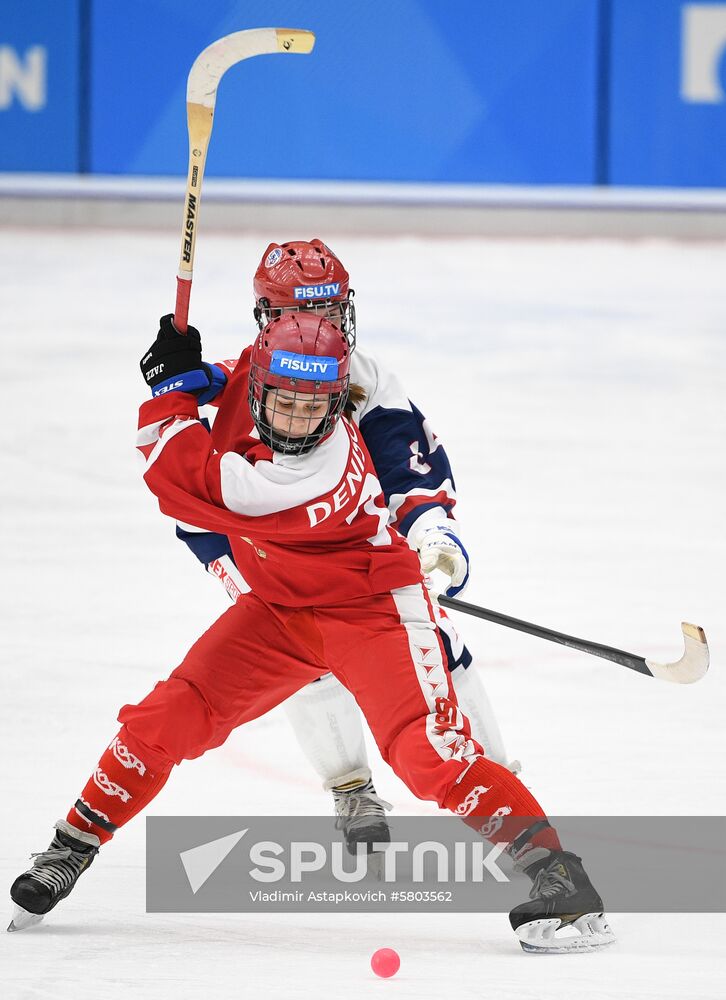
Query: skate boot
{"x": 361, "y": 815}
{"x": 53, "y": 875}
{"x": 562, "y": 898}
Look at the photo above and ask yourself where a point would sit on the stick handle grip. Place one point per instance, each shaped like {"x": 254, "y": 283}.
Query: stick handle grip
{"x": 181, "y": 310}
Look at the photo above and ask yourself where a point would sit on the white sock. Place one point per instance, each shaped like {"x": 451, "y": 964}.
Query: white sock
{"x": 329, "y": 728}
{"x": 475, "y": 705}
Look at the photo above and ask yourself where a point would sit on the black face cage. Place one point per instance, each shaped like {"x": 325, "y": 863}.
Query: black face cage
{"x": 341, "y": 313}
{"x": 278, "y": 440}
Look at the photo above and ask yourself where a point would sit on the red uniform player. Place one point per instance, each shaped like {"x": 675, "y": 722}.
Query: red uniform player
{"x": 286, "y": 476}
{"x": 417, "y": 480}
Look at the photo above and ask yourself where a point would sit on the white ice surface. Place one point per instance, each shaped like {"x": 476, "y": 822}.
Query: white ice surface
{"x": 579, "y": 388}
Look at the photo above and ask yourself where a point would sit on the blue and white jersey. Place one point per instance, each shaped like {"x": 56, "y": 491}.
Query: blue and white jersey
{"x": 412, "y": 466}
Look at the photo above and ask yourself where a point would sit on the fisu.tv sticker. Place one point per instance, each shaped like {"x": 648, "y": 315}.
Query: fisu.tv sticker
{"x": 273, "y": 257}
{"x": 317, "y": 291}
{"x": 305, "y": 366}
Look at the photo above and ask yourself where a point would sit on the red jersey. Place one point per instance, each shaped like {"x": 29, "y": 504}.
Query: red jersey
{"x": 305, "y": 529}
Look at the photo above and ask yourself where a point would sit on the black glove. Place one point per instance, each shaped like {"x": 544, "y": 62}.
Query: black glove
{"x": 174, "y": 361}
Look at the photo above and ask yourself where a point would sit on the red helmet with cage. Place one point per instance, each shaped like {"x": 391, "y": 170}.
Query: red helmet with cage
{"x": 298, "y": 382}
{"x": 304, "y": 276}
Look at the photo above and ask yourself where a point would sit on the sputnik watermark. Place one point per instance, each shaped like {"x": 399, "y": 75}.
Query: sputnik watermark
{"x": 273, "y": 862}
{"x": 214, "y": 864}
{"x": 253, "y": 864}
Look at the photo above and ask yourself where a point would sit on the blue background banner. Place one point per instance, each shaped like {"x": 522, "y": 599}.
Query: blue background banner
{"x": 564, "y": 92}
{"x": 40, "y": 93}
{"x": 668, "y": 93}
{"x": 411, "y": 91}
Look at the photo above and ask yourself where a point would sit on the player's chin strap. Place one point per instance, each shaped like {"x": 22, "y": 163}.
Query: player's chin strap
{"x": 691, "y": 667}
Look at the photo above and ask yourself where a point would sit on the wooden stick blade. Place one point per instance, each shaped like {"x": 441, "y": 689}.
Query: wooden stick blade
{"x": 213, "y": 62}
{"x": 692, "y": 666}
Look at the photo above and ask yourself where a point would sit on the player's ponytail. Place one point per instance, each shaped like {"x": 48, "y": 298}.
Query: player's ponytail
{"x": 356, "y": 395}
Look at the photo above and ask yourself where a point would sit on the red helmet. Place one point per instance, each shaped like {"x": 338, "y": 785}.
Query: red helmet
{"x": 304, "y": 276}
{"x": 298, "y": 382}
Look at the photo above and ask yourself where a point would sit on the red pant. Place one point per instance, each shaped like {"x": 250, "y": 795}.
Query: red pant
{"x": 385, "y": 648}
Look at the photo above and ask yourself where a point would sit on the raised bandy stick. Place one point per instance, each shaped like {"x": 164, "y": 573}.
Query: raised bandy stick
{"x": 208, "y": 69}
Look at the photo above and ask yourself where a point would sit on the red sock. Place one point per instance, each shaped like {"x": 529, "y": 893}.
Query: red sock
{"x": 121, "y": 786}
{"x": 513, "y": 814}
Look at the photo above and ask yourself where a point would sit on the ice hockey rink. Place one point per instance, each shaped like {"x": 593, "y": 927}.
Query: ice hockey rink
{"x": 578, "y": 386}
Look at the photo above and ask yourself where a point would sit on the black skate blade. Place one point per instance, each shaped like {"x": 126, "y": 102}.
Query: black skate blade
{"x": 22, "y": 919}
{"x": 539, "y": 937}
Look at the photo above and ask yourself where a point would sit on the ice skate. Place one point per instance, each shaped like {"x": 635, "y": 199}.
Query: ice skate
{"x": 564, "y": 912}
{"x": 361, "y": 815}
{"x": 53, "y": 875}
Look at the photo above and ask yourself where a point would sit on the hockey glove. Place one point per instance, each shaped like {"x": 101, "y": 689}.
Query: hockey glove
{"x": 174, "y": 363}
{"x": 440, "y": 549}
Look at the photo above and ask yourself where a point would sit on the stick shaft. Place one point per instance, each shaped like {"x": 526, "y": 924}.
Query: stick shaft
{"x": 199, "y": 121}
{"x": 629, "y": 660}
